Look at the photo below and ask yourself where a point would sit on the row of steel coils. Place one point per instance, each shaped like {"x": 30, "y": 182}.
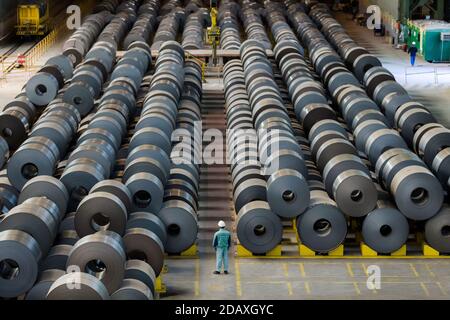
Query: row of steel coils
{"x": 59, "y": 122}
{"x": 251, "y": 17}
{"x": 414, "y": 122}
{"x": 196, "y": 22}
{"x": 354, "y": 182}
{"x": 416, "y": 191}
{"x": 228, "y": 21}
{"x": 268, "y": 168}
{"x": 112, "y": 244}
{"x": 23, "y": 229}
{"x": 145, "y": 24}
{"x": 172, "y": 20}
{"x": 373, "y": 135}
{"x": 170, "y": 110}
{"x": 19, "y": 115}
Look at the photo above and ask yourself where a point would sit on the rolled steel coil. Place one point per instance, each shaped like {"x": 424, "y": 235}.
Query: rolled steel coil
{"x": 229, "y": 25}
{"x": 283, "y": 165}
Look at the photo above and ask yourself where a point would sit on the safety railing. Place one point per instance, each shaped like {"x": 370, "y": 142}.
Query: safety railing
{"x": 32, "y": 56}
{"x": 200, "y": 61}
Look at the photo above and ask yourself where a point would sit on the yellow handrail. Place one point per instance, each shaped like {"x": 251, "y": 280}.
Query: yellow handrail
{"x": 202, "y": 63}
{"x": 60, "y": 29}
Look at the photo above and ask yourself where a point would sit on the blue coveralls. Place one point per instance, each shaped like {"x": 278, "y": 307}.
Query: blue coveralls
{"x": 413, "y": 52}
{"x": 222, "y": 242}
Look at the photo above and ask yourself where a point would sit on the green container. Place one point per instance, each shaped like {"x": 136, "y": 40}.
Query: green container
{"x": 432, "y": 38}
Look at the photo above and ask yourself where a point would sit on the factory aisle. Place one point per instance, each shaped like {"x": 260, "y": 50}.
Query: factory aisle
{"x": 194, "y": 278}
{"x": 215, "y": 202}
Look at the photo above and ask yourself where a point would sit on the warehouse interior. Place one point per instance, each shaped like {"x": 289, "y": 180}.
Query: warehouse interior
{"x": 130, "y": 128}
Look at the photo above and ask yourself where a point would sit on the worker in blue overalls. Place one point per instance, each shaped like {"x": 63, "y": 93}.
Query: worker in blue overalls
{"x": 413, "y": 52}
{"x": 222, "y": 243}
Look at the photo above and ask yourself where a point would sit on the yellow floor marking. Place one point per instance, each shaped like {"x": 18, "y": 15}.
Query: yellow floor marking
{"x": 414, "y": 270}
{"x": 350, "y": 270}
{"x": 358, "y": 292}
{"x": 427, "y": 266}
{"x": 238, "y": 278}
{"x": 262, "y": 281}
{"x": 285, "y": 270}
{"x": 364, "y": 268}
{"x": 307, "y": 288}
{"x": 197, "y": 277}
{"x": 302, "y": 269}
{"x": 289, "y": 287}
{"x": 425, "y": 289}
{"x": 441, "y": 288}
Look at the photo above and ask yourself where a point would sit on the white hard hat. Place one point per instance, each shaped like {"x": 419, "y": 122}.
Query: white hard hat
{"x": 414, "y": 43}
{"x": 221, "y": 224}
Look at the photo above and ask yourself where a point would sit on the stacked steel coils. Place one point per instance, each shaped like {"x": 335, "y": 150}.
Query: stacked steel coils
{"x": 228, "y": 20}
{"x": 278, "y": 25}
{"x": 280, "y": 156}
{"x": 16, "y": 120}
{"x": 152, "y": 137}
{"x": 253, "y": 25}
{"x": 355, "y": 57}
{"x": 20, "y": 114}
{"x": 173, "y": 17}
{"x": 410, "y": 118}
{"x": 145, "y": 24}
{"x": 196, "y": 22}
{"x": 258, "y": 228}
{"x": 82, "y": 39}
{"x": 45, "y": 84}
{"x": 416, "y": 191}
{"x": 8, "y": 194}
{"x": 107, "y": 5}
{"x": 27, "y": 232}
{"x": 347, "y": 179}
{"x": 58, "y": 124}
{"x": 179, "y": 212}
{"x": 109, "y": 243}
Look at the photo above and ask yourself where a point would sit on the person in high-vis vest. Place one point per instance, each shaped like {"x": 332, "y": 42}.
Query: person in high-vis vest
{"x": 222, "y": 243}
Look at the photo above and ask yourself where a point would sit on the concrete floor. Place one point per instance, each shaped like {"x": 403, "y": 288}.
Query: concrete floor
{"x": 270, "y": 279}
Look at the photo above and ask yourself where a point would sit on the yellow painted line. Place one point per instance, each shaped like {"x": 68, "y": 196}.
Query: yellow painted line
{"x": 264, "y": 282}
{"x": 441, "y": 288}
{"x": 355, "y": 285}
{"x": 289, "y": 287}
{"x": 238, "y": 278}
{"x": 307, "y": 288}
{"x": 197, "y": 277}
{"x": 427, "y": 266}
{"x": 364, "y": 268}
{"x": 296, "y": 257}
{"x": 425, "y": 289}
{"x": 301, "y": 266}
{"x": 413, "y": 268}
{"x": 285, "y": 270}
{"x": 350, "y": 270}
